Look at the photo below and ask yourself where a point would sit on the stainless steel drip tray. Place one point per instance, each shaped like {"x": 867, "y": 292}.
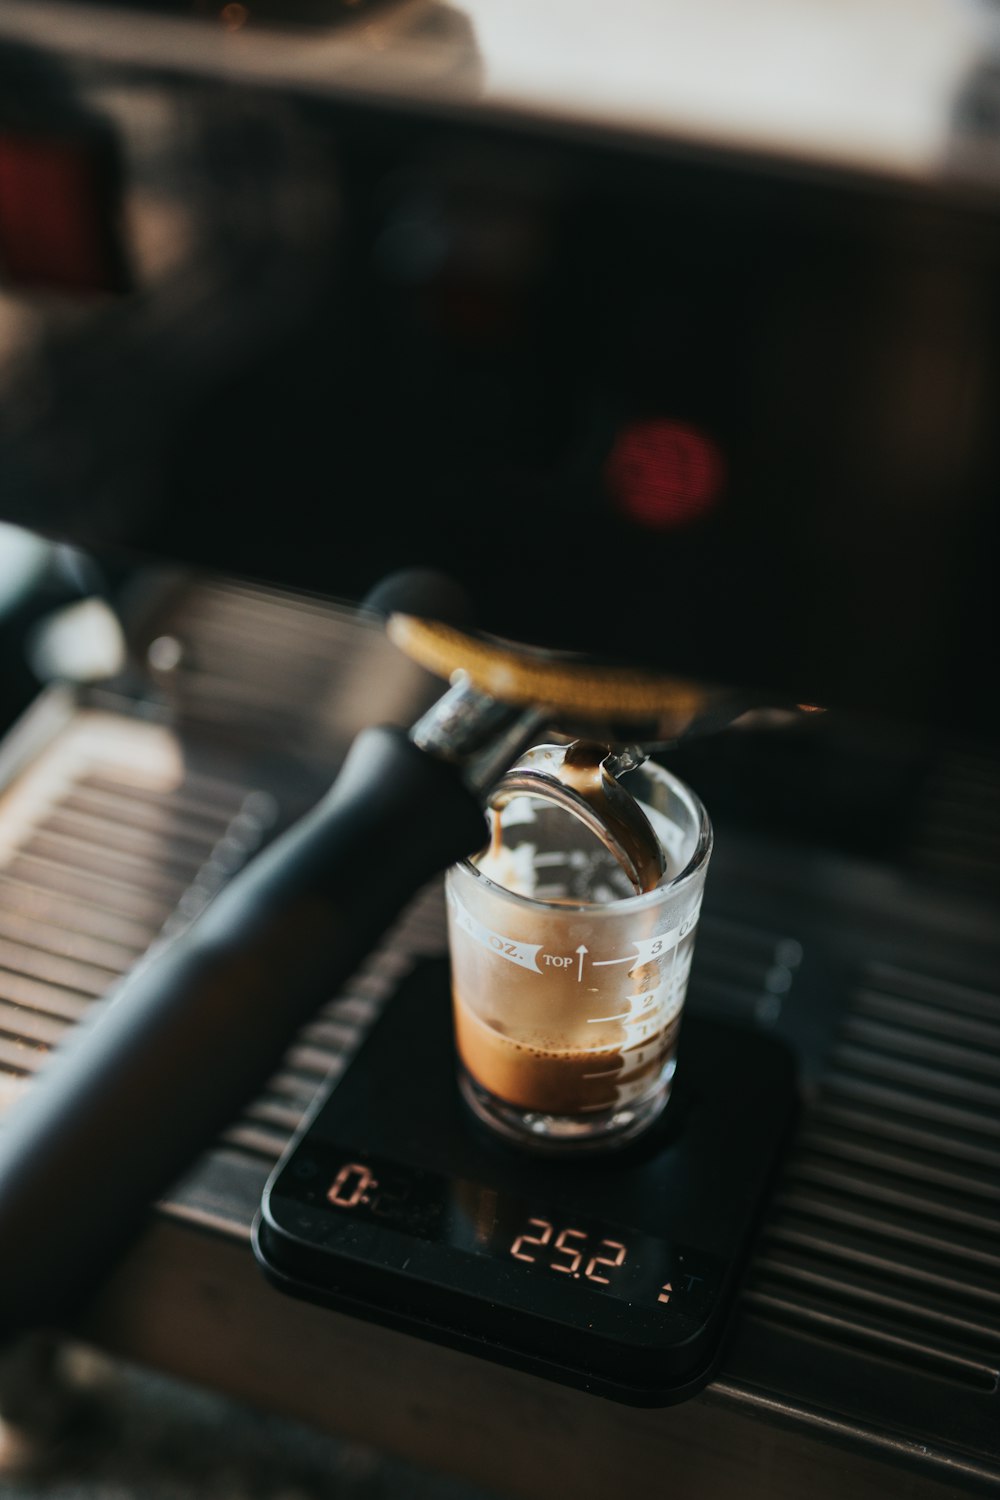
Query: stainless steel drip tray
{"x": 869, "y": 1325}
{"x": 871, "y": 1312}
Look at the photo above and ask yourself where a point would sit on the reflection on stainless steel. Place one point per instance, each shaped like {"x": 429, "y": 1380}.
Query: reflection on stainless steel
{"x": 871, "y": 89}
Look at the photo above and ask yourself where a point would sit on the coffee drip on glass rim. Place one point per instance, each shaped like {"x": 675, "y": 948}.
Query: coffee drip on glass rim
{"x": 582, "y": 779}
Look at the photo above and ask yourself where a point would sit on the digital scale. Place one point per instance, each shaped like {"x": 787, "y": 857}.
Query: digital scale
{"x": 614, "y": 1273}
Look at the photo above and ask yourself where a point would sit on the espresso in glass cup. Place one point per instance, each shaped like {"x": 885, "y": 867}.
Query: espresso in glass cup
{"x": 568, "y": 987}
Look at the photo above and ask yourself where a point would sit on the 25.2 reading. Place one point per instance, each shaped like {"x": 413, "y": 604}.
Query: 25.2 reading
{"x": 568, "y": 1252}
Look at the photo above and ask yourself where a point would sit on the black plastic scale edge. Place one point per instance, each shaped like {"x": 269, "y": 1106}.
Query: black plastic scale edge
{"x": 466, "y": 1342}
{"x": 303, "y": 1270}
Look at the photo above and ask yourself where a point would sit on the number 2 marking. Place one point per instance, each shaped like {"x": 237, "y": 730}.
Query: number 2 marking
{"x": 530, "y": 1239}
{"x": 604, "y": 1260}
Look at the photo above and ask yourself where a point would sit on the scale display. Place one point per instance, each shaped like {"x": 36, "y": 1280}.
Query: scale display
{"x": 608, "y": 1259}
{"x": 615, "y": 1274}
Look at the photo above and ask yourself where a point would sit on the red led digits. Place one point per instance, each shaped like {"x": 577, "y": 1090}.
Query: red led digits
{"x": 517, "y": 1249}
{"x": 351, "y": 1186}
{"x": 574, "y": 1257}
{"x": 602, "y": 1260}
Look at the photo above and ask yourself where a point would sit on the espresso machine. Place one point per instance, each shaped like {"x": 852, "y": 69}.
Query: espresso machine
{"x": 355, "y": 351}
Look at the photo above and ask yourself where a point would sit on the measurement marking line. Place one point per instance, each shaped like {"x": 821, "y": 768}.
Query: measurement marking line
{"x": 602, "y": 963}
{"x": 608, "y": 1073}
{"x": 596, "y": 1020}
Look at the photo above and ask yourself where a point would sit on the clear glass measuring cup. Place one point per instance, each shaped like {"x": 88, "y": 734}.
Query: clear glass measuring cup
{"x": 567, "y": 986}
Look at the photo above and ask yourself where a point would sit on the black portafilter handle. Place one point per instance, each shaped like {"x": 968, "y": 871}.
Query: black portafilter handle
{"x": 148, "y": 1081}
{"x": 139, "y": 1089}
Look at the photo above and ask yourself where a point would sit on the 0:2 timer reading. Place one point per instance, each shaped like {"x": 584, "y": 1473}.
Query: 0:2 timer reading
{"x": 568, "y": 1251}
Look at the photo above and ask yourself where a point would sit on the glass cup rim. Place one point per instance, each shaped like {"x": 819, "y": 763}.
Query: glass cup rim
{"x": 695, "y": 865}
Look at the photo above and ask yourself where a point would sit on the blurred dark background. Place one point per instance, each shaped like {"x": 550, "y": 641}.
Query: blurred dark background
{"x": 262, "y": 343}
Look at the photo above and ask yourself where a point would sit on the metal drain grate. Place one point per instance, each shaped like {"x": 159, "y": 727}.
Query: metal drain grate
{"x": 102, "y": 862}
{"x": 957, "y": 831}
{"x": 263, "y": 667}
{"x": 109, "y": 840}
{"x": 886, "y": 1234}
{"x": 742, "y": 971}
{"x": 232, "y": 651}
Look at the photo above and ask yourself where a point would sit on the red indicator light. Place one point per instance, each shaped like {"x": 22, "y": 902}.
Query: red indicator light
{"x": 663, "y": 473}
{"x": 55, "y": 228}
